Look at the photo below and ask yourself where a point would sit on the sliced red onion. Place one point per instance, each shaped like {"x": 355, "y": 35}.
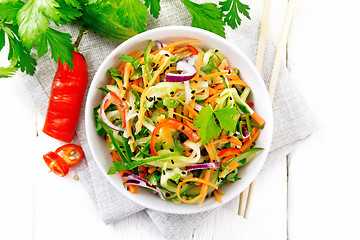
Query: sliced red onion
{"x": 132, "y": 179}
{"x": 203, "y": 166}
{"x": 245, "y": 131}
{"x": 159, "y": 45}
{"x": 188, "y": 70}
{"x": 103, "y": 115}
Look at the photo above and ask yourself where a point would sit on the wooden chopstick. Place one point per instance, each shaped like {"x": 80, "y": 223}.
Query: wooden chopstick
{"x": 244, "y": 204}
{"x": 244, "y": 196}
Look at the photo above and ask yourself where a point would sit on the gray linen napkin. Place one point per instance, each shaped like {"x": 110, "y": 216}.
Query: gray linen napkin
{"x": 292, "y": 118}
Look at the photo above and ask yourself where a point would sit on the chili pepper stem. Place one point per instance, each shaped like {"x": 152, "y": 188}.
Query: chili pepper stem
{"x": 78, "y": 39}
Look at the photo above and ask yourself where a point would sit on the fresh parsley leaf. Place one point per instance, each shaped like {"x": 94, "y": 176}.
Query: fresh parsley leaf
{"x": 60, "y": 45}
{"x": 225, "y": 116}
{"x": 206, "y": 16}
{"x": 133, "y": 12}
{"x": 7, "y": 72}
{"x": 208, "y": 129}
{"x": 155, "y": 178}
{"x": 234, "y": 8}
{"x": 9, "y": 9}
{"x": 18, "y": 55}
{"x": 131, "y": 60}
{"x": 154, "y": 7}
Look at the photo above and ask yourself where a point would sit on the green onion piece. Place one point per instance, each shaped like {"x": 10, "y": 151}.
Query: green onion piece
{"x": 245, "y": 93}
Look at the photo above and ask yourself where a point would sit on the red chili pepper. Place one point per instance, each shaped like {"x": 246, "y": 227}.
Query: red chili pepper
{"x": 229, "y": 151}
{"x": 193, "y": 50}
{"x": 67, "y": 93}
{"x": 174, "y": 124}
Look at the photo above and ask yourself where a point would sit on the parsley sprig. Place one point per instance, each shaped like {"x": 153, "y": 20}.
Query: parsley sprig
{"x": 29, "y": 29}
{"x": 209, "y": 125}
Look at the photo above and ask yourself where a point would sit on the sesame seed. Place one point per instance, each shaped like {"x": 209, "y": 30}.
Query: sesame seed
{"x": 194, "y": 131}
{"x": 157, "y": 135}
{"x": 172, "y": 92}
{"x": 159, "y": 98}
{"x": 151, "y": 98}
{"x": 172, "y": 161}
{"x": 192, "y": 97}
{"x": 228, "y": 137}
{"x": 183, "y": 172}
{"x": 147, "y": 85}
{"x": 171, "y": 150}
{"x": 219, "y": 149}
{"x": 167, "y": 68}
{"x": 166, "y": 54}
{"x": 193, "y": 91}
{"x": 156, "y": 102}
{"x": 130, "y": 107}
{"x": 191, "y": 150}
{"x": 129, "y": 137}
{"x": 124, "y": 88}
{"x": 183, "y": 128}
{"x": 216, "y": 50}
{"x": 147, "y": 98}
{"x": 229, "y": 72}
{"x": 123, "y": 99}
{"x": 163, "y": 172}
{"x": 195, "y": 81}
{"x": 231, "y": 98}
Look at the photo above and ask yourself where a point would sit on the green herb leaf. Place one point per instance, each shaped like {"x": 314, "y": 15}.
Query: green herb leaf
{"x": 18, "y": 55}
{"x": 134, "y": 13}
{"x": 60, "y": 45}
{"x": 154, "y": 7}
{"x": 234, "y": 8}
{"x": 225, "y": 116}
{"x": 9, "y": 9}
{"x": 114, "y": 73}
{"x": 7, "y": 72}
{"x": 208, "y": 129}
{"x": 206, "y": 16}
{"x": 131, "y": 60}
{"x": 155, "y": 178}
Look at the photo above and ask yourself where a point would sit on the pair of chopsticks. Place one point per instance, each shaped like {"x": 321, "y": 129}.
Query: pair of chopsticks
{"x": 246, "y": 195}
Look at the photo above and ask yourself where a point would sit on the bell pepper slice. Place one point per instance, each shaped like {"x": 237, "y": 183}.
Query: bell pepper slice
{"x": 229, "y": 151}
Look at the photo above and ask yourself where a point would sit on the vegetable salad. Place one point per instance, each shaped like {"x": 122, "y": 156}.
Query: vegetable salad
{"x": 178, "y": 121}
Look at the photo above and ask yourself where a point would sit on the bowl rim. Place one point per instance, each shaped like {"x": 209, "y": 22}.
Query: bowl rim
{"x": 89, "y": 114}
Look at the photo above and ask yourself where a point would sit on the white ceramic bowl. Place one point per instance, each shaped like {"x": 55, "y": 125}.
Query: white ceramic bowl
{"x": 236, "y": 59}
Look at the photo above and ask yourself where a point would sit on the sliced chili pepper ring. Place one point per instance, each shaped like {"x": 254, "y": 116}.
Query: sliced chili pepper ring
{"x": 56, "y": 164}
{"x": 71, "y": 153}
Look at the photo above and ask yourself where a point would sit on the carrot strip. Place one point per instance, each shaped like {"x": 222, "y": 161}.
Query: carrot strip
{"x": 250, "y": 141}
{"x": 258, "y": 119}
{"x": 213, "y": 97}
{"x": 204, "y": 187}
{"x": 132, "y": 189}
{"x": 151, "y": 170}
{"x": 212, "y": 75}
{"x": 237, "y": 82}
{"x": 219, "y": 192}
{"x": 172, "y": 45}
{"x": 127, "y": 71}
{"x": 217, "y": 197}
{"x": 187, "y": 106}
{"x": 232, "y": 140}
{"x": 182, "y": 116}
{"x": 137, "y": 88}
{"x": 192, "y": 180}
{"x": 211, "y": 152}
{"x": 167, "y": 134}
{"x": 226, "y": 159}
{"x": 233, "y": 165}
